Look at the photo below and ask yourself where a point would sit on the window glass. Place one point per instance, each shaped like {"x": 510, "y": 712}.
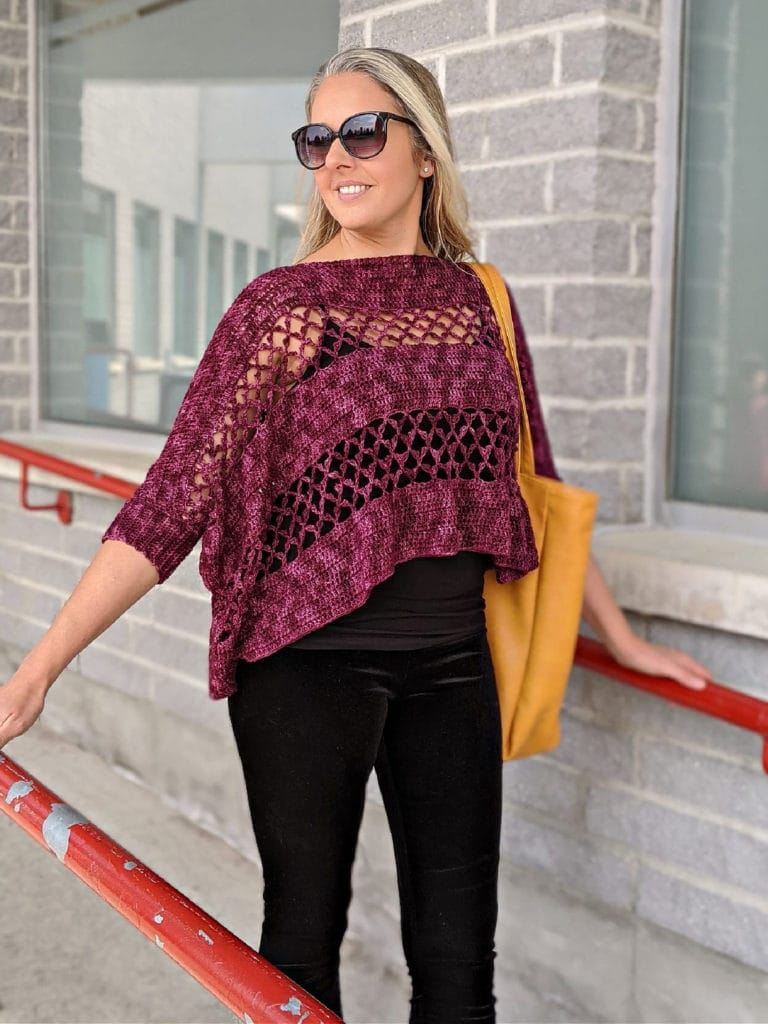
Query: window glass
{"x": 184, "y": 289}
{"x": 240, "y": 270}
{"x": 214, "y": 291}
{"x": 146, "y": 281}
{"x": 168, "y": 178}
{"x": 720, "y": 379}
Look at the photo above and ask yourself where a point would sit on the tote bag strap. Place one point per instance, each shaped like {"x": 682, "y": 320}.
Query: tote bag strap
{"x": 497, "y": 293}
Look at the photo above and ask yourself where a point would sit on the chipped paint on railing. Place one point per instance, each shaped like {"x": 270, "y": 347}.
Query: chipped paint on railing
{"x": 57, "y": 825}
{"x": 252, "y": 988}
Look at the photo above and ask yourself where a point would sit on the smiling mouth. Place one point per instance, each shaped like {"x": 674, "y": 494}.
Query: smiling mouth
{"x": 352, "y": 190}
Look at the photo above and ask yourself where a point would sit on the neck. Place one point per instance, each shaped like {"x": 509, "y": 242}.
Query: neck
{"x": 348, "y": 245}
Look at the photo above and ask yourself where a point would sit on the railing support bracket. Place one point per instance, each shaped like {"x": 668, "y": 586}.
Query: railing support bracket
{"x": 62, "y": 506}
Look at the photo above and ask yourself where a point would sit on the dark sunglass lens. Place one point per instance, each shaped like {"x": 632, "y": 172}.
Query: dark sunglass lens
{"x": 363, "y": 135}
{"x": 313, "y": 144}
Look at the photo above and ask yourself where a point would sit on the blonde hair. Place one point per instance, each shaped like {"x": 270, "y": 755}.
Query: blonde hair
{"x": 444, "y": 211}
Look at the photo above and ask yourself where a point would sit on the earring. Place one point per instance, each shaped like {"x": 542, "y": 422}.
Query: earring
{"x": 426, "y": 170}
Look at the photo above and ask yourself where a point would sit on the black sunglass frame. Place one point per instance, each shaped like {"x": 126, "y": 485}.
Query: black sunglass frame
{"x": 383, "y": 115}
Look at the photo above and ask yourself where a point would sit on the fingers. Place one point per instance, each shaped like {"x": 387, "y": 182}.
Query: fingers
{"x": 658, "y": 660}
{"x": 686, "y": 671}
{"x": 19, "y": 710}
{"x": 689, "y": 680}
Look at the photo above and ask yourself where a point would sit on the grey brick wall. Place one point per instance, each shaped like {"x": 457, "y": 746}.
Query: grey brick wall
{"x": 552, "y": 105}
{"x": 15, "y": 190}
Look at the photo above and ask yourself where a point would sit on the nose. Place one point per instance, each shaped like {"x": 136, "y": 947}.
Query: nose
{"x": 337, "y": 155}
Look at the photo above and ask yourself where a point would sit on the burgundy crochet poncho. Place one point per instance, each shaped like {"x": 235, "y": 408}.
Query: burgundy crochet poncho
{"x": 345, "y": 417}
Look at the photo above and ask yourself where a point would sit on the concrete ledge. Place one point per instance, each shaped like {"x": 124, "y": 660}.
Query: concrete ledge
{"x": 699, "y": 578}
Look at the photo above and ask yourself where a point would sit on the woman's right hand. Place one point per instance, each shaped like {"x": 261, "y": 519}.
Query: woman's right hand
{"x": 116, "y": 578}
{"x": 21, "y": 702}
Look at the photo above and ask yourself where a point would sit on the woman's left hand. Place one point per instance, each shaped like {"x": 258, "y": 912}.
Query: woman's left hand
{"x": 657, "y": 660}
{"x": 603, "y": 614}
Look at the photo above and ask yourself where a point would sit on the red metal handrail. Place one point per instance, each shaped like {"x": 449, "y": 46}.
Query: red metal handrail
{"x": 715, "y": 700}
{"x": 61, "y": 467}
{"x": 235, "y": 974}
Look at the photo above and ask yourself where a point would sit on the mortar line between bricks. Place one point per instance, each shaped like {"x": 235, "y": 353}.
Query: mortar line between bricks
{"x": 20, "y": 617}
{"x": 537, "y": 815}
{"x": 697, "y": 811}
{"x": 597, "y": 466}
{"x": 479, "y": 43}
{"x": 626, "y": 403}
{"x": 742, "y": 761}
{"x": 733, "y": 893}
{"x": 563, "y": 217}
{"x": 174, "y": 633}
{"x": 512, "y": 37}
{"x": 178, "y": 590}
{"x": 393, "y": 7}
{"x": 564, "y": 26}
{"x": 559, "y": 156}
{"x": 548, "y": 94}
{"x": 547, "y": 342}
{"x": 586, "y": 280}
{"x": 136, "y": 659}
{"x": 29, "y": 549}
{"x": 33, "y": 587}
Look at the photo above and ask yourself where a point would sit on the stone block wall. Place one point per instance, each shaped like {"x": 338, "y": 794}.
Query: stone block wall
{"x": 15, "y": 191}
{"x": 552, "y": 108}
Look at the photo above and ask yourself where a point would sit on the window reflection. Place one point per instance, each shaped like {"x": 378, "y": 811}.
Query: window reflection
{"x": 164, "y": 190}
{"x": 720, "y": 399}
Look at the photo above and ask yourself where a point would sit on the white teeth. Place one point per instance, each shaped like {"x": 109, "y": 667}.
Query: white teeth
{"x": 352, "y": 190}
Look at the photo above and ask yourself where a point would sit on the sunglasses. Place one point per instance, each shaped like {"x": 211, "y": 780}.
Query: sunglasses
{"x": 362, "y": 135}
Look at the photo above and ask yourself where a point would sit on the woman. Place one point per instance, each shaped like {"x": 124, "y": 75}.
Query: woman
{"x": 346, "y": 452}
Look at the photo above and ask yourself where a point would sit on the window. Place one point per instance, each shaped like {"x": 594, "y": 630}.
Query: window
{"x": 146, "y": 281}
{"x": 98, "y": 294}
{"x": 720, "y": 378}
{"x": 166, "y": 167}
{"x": 185, "y": 289}
{"x": 214, "y": 291}
{"x": 99, "y": 265}
{"x": 240, "y": 273}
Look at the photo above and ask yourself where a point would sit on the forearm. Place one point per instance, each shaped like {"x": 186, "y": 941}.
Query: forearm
{"x": 116, "y": 578}
{"x": 604, "y": 616}
{"x": 600, "y": 611}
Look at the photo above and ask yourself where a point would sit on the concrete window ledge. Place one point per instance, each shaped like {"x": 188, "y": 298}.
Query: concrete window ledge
{"x": 699, "y": 578}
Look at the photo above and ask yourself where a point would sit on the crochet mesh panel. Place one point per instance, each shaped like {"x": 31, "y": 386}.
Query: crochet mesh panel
{"x": 396, "y": 451}
{"x": 303, "y": 341}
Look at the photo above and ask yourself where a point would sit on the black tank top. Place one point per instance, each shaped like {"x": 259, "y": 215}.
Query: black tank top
{"x": 427, "y": 601}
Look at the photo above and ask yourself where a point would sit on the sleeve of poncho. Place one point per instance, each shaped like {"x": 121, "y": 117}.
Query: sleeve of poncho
{"x": 168, "y": 512}
{"x": 542, "y": 450}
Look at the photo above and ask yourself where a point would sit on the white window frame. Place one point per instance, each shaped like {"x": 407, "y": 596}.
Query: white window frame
{"x": 661, "y": 509}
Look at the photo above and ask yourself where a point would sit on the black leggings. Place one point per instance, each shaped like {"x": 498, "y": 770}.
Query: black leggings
{"x": 310, "y": 726}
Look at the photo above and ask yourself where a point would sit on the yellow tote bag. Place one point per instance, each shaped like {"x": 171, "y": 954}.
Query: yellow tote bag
{"x": 533, "y": 622}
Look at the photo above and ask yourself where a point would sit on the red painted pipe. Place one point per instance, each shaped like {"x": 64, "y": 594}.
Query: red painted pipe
{"x": 243, "y": 981}
{"x": 718, "y": 701}
{"x": 72, "y": 470}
